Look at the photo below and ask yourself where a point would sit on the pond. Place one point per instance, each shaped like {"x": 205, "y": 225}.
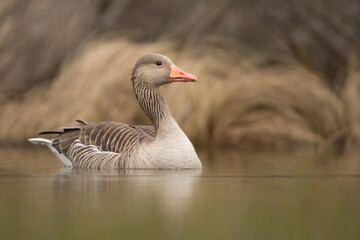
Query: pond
{"x": 235, "y": 196}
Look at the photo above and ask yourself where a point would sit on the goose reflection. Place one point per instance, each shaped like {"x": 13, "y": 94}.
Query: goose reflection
{"x": 171, "y": 189}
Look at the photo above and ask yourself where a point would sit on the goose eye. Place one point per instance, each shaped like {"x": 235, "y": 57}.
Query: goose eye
{"x": 159, "y": 63}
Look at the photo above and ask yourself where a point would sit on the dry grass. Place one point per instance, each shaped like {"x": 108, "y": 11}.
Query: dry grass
{"x": 234, "y": 104}
{"x": 274, "y": 74}
{"x": 351, "y": 96}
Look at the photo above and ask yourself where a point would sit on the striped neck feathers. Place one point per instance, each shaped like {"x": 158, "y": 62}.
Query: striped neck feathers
{"x": 151, "y": 102}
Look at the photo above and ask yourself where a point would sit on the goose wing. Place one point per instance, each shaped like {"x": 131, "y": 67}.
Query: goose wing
{"x": 96, "y": 144}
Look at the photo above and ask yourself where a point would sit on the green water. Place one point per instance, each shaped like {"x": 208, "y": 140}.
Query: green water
{"x": 235, "y": 196}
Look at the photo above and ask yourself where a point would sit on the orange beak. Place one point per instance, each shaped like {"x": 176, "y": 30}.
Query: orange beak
{"x": 178, "y": 75}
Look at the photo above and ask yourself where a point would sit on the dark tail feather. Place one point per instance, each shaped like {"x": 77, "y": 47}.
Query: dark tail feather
{"x": 81, "y": 121}
{"x": 64, "y": 129}
{"x": 50, "y": 132}
{"x": 60, "y": 130}
{"x": 68, "y": 129}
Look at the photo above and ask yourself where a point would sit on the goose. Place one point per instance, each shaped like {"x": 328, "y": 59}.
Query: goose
{"x": 113, "y": 145}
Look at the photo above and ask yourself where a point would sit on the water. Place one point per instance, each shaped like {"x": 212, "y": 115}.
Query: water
{"x": 235, "y": 196}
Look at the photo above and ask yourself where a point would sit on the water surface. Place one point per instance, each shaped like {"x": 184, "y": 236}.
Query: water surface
{"x": 235, "y": 196}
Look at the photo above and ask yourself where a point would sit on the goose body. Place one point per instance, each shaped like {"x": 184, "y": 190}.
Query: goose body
{"x": 112, "y": 145}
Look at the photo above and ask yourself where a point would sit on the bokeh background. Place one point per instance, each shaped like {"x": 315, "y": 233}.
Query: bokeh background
{"x": 274, "y": 75}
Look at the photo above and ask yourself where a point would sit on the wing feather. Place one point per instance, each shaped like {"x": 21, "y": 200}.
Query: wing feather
{"x": 107, "y": 137}
{"x": 109, "y": 142}
{"x": 98, "y": 145}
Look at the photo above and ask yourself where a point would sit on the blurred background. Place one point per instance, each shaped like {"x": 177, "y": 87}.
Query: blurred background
{"x": 279, "y": 82}
{"x": 274, "y": 75}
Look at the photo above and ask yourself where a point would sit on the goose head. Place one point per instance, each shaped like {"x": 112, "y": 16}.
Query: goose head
{"x": 155, "y": 70}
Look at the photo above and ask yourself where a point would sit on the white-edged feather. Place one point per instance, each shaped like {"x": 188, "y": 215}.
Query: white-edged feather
{"x": 48, "y": 143}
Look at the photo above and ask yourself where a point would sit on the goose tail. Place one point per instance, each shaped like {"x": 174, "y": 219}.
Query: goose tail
{"x": 48, "y": 143}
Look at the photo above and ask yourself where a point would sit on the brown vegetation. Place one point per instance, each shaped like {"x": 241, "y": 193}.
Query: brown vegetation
{"x": 233, "y": 104}
{"x": 278, "y": 75}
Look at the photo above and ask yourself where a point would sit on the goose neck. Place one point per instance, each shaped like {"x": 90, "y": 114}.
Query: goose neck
{"x": 153, "y": 104}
